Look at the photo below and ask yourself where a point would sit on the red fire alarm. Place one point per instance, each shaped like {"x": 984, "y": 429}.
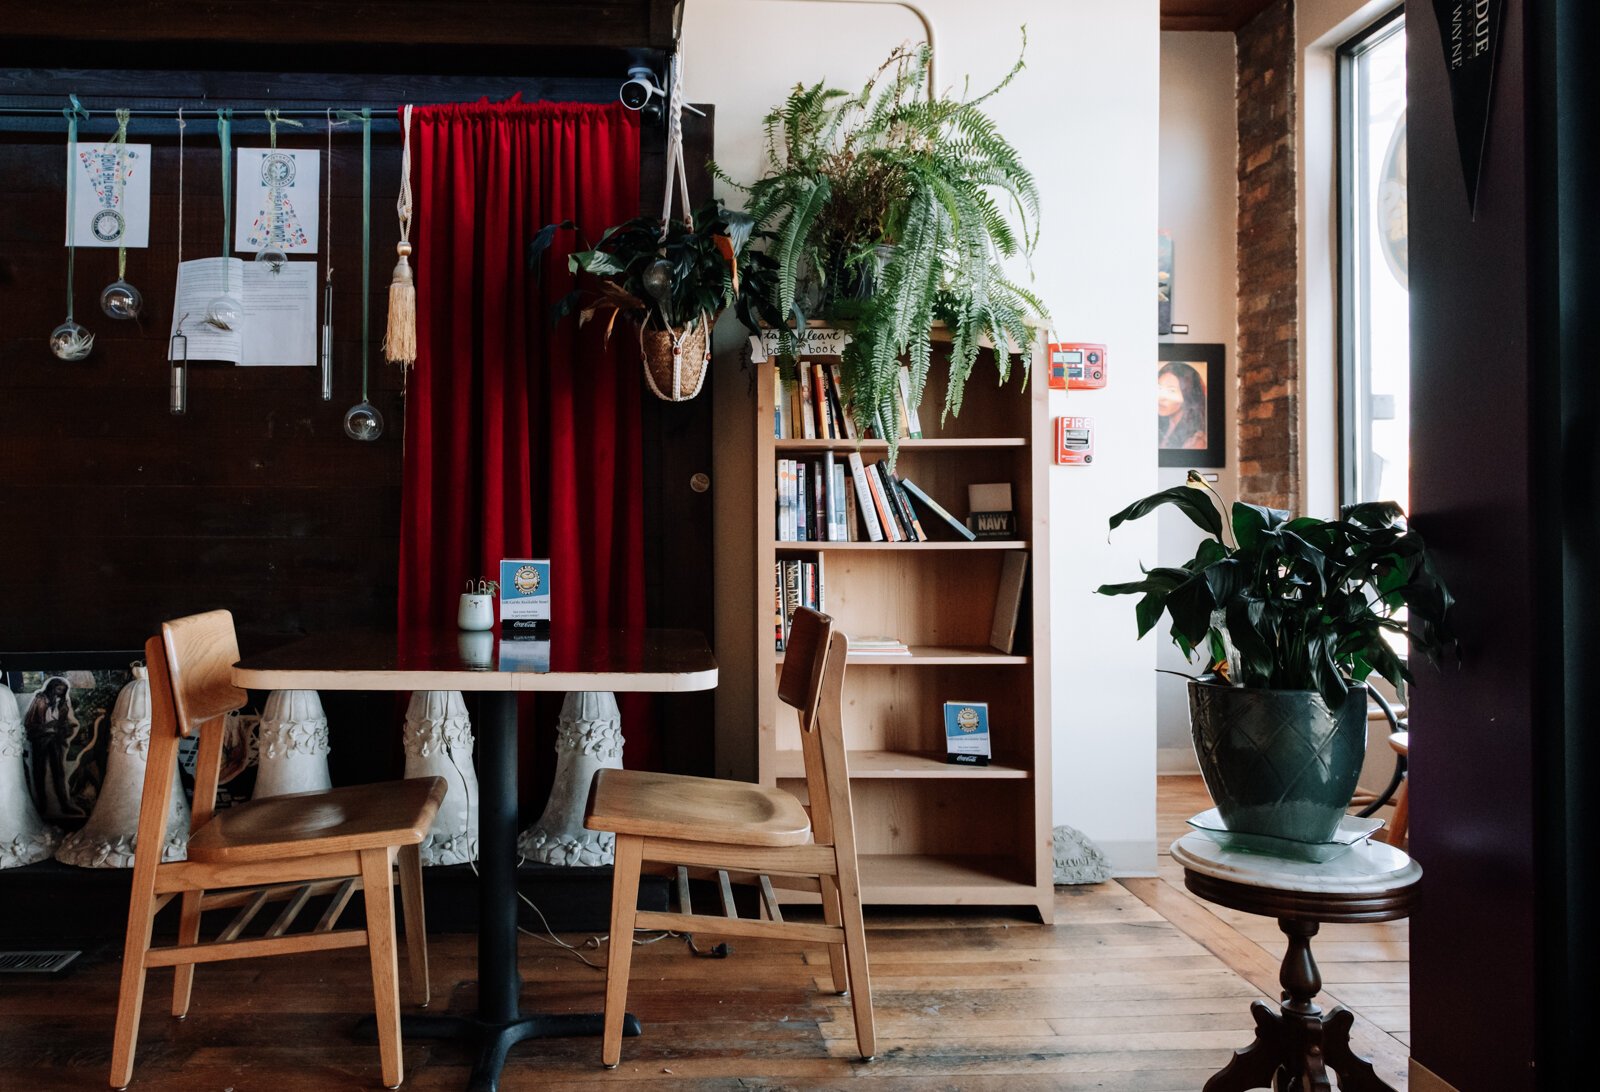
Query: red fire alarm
{"x": 1074, "y": 441}
{"x": 1077, "y": 366}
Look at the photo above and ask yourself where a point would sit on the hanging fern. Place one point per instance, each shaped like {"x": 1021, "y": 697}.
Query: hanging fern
{"x": 897, "y": 208}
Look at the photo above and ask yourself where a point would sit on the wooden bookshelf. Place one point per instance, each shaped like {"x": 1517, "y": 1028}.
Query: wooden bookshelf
{"x": 931, "y": 833}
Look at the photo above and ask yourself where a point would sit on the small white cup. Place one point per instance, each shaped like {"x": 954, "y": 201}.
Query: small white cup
{"x": 476, "y": 611}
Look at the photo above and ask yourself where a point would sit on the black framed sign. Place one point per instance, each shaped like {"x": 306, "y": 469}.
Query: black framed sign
{"x": 1190, "y": 386}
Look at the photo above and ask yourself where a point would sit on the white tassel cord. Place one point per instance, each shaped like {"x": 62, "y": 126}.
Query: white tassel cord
{"x": 400, "y": 337}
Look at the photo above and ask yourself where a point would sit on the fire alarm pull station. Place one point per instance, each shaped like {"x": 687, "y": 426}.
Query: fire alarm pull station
{"x": 1077, "y": 366}
{"x": 1074, "y": 441}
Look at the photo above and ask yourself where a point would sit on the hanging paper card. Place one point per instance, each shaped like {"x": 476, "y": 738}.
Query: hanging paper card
{"x": 108, "y": 210}
{"x": 1469, "y": 31}
{"x": 276, "y": 200}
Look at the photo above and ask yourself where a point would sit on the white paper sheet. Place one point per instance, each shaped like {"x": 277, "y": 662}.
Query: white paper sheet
{"x": 104, "y": 213}
{"x": 280, "y": 314}
{"x": 279, "y": 324}
{"x": 276, "y": 196}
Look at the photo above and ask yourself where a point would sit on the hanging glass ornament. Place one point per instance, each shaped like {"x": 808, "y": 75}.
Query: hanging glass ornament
{"x": 272, "y": 257}
{"x": 119, "y": 299}
{"x": 225, "y": 312}
{"x": 69, "y": 341}
{"x": 363, "y": 421}
{"x": 658, "y": 280}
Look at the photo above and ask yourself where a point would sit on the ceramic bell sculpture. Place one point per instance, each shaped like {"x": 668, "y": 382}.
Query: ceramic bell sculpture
{"x": 24, "y": 837}
{"x": 438, "y": 740}
{"x": 107, "y": 839}
{"x": 588, "y": 739}
{"x": 293, "y": 743}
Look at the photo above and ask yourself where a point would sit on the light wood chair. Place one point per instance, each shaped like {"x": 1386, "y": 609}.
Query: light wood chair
{"x": 285, "y": 848}
{"x": 1398, "y": 831}
{"x": 749, "y": 830}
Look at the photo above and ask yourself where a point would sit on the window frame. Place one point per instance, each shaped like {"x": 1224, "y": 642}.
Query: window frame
{"x": 1354, "y": 345}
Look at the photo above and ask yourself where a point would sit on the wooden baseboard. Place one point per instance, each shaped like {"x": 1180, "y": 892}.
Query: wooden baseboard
{"x": 1423, "y": 1079}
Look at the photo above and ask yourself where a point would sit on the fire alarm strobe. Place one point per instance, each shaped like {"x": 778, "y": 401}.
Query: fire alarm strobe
{"x": 1074, "y": 441}
{"x": 1077, "y": 366}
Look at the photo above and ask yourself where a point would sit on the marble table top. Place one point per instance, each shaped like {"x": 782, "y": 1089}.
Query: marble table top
{"x": 1369, "y": 868}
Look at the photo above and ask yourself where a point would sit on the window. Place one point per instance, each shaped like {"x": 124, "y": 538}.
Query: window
{"x": 1375, "y": 381}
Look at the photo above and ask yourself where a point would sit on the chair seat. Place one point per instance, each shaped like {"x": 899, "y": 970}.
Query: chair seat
{"x": 390, "y": 813}
{"x": 698, "y": 809}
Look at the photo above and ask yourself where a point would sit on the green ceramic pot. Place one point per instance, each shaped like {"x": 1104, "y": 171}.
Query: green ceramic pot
{"x": 1278, "y": 762}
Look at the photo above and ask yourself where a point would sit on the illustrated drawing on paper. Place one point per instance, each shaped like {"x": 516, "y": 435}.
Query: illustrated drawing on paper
{"x": 110, "y": 207}
{"x": 277, "y": 202}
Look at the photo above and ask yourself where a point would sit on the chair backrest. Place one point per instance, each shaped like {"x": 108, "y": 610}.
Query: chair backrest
{"x": 198, "y": 653}
{"x": 813, "y": 683}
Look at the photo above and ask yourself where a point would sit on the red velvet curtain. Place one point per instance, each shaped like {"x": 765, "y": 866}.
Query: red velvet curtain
{"x": 522, "y": 431}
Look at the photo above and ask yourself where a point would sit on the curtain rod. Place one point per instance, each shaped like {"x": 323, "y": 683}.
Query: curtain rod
{"x": 197, "y": 113}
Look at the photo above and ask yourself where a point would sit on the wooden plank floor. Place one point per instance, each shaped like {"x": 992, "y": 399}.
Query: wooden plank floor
{"x": 1137, "y": 988}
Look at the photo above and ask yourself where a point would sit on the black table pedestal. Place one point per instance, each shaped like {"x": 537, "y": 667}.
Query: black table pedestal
{"x": 499, "y": 1024}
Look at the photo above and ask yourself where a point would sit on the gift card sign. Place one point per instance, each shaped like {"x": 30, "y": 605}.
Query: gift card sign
{"x": 966, "y": 732}
{"x": 525, "y": 594}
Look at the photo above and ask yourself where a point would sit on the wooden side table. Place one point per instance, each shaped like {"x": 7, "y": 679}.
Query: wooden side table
{"x": 1297, "y": 1045}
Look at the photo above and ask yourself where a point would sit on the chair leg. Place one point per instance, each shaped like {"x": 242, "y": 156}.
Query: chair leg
{"x": 1402, "y": 816}
{"x": 416, "y": 923}
{"x": 855, "y": 954}
{"x": 377, "y": 883}
{"x": 188, "y": 933}
{"x": 624, "y": 905}
{"x": 130, "y": 996}
{"x": 831, "y": 915}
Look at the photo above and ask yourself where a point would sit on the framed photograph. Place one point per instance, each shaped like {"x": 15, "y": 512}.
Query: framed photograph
{"x": 1192, "y": 429}
{"x": 1164, "y": 283}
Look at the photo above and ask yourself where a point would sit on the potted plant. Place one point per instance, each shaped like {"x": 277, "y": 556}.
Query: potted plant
{"x": 1293, "y": 615}
{"x": 892, "y": 208}
{"x": 672, "y": 281}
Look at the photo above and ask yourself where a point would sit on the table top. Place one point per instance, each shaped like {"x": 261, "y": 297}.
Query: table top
{"x": 1368, "y": 869}
{"x": 573, "y": 658}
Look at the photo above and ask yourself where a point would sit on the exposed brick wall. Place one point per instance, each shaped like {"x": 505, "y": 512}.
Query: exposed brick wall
{"x": 1268, "y": 334}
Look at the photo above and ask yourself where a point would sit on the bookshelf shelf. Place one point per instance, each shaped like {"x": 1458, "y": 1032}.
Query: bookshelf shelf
{"x": 913, "y": 547}
{"x": 954, "y": 655}
{"x": 928, "y": 832}
{"x": 902, "y": 764}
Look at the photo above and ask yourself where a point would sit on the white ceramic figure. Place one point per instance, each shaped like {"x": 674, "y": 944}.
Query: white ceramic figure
{"x": 589, "y": 739}
{"x": 24, "y": 837}
{"x": 107, "y": 839}
{"x": 293, "y": 745}
{"x": 438, "y": 740}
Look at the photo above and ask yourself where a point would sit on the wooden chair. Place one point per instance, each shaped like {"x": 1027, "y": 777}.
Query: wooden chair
{"x": 737, "y": 827}
{"x": 285, "y": 848}
{"x": 1399, "y": 829}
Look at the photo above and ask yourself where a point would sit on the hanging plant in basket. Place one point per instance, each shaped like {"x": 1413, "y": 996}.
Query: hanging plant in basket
{"x": 670, "y": 281}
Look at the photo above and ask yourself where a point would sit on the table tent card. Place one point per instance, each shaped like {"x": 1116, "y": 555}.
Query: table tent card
{"x": 966, "y": 733}
{"x": 109, "y": 208}
{"x": 524, "y": 596}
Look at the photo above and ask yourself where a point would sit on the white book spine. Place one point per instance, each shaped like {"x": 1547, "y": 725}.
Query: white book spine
{"x": 869, "y": 511}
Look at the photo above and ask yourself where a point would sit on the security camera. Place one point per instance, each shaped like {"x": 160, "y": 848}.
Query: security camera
{"x": 640, "y": 88}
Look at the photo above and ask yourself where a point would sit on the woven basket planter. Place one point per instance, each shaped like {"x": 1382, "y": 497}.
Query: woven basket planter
{"x": 676, "y": 361}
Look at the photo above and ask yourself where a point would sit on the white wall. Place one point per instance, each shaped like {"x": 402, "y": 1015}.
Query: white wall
{"x": 1200, "y": 207}
{"x": 1084, "y": 115}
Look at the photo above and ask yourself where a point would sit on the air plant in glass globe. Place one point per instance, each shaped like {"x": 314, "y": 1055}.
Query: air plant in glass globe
{"x": 69, "y": 341}
{"x": 121, "y": 300}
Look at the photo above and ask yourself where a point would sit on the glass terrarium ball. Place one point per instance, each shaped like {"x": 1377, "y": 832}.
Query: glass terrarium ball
{"x": 121, "y": 300}
{"x": 69, "y": 341}
{"x": 225, "y": 313}
{"x": 658, "y": 279}
{"x": 363, "y": 422}
{"x": 272, "y": 257}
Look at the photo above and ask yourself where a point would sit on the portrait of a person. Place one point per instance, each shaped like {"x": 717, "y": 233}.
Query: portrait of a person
{"x": 51, "y": 725}
{"x": 1181, "y": 403}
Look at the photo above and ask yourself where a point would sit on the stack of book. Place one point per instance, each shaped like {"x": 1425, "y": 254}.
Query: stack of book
{"x": 815, "y": 504}
{"x": 879, "y": 646}
{"x": 816, "y": 406}
{"x": 798, "y": 584}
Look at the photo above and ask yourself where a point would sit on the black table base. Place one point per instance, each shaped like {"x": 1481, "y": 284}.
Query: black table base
{"x": 499, "y": 1024}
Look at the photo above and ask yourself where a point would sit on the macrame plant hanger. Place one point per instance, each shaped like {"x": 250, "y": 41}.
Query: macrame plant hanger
{"x": 684, "y": 340}
{"x": 400, "y": 336}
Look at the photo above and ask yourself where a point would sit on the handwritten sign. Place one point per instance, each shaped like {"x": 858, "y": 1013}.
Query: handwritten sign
{"x": 814, "y": 341}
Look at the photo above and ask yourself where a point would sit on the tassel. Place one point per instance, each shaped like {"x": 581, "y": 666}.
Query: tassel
{"x": 400, "y": 339}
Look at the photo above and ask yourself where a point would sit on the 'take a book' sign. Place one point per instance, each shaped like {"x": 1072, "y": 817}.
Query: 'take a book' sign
{"x": 1470, "y": 33}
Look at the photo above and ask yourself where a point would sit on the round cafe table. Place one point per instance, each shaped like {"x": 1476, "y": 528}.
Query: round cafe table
{"x": 1296, "y": 1045}
{"x": 658, "y": 661}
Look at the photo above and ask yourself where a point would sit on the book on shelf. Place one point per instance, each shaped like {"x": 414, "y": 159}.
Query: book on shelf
{"x": 936, "y": 510}
{"x": 879, "y": 646}
{"x": 864, "y": 502}
{"x": 908, "y": 410}
{"x": 1008, "y": 602}
{"x": 880, "y": 504}
{"x": 797, "y": 584}
{"x": 847, "y": 428}
{"x": 808, "y": 419}
{"x": 899, "y": 507}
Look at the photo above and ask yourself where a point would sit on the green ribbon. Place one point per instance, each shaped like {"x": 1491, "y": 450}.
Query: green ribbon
{"x": 365, "y": 117}
{"x": 225, "y": 138}
{"x": 72, "y": 114}
{"x": 122, "y": 173}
